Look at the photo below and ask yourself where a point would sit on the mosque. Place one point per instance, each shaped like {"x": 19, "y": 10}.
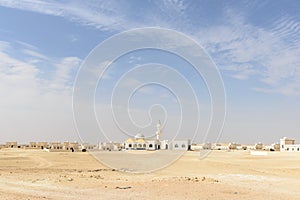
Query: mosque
{"x": 139, "y": 142}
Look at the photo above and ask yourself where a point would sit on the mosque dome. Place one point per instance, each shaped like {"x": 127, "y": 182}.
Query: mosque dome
{"x": 139, "y": 136}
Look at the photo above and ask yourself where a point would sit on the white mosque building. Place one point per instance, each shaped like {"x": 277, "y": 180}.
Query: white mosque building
{"x": 287, "y": 144}
{"x": 139, "y": 142}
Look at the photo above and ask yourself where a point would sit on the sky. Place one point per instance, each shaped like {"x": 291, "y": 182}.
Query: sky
{"x": 254, "y": 45}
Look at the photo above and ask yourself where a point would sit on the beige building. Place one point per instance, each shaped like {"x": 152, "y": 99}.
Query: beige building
{"x": 110, "y": 146}
{"x": 56, "y": 146}
{"x": 234, "y": 146}
{"x": 207, "y": 146}
{"x": 220, "y": 146}
{"x": 37, "y": 145}
{"x": 11, "y": 145}
{"x": 86, "y": 147}
{"x": 71, "y": 146}
{"x": 259, "y": 146}
{"x": 276, "y": 147}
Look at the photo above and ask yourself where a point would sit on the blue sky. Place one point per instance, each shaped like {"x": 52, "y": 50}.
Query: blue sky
{"x": 254, "y": 44}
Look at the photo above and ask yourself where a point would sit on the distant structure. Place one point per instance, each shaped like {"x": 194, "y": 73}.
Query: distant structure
{"x": 287, "y": 144}
{"x": 52, "y": 146}
{"x": 207, "y": 146}
{"x": 276, "y": 147}
{"x": 37, "y": 145}
{"x": 158, "y": 130}
{"x": 11, "y": 145}
{"x": 259, "y": 146}
{"x": 110, "y": 146}
{"x": 139, "y": 142}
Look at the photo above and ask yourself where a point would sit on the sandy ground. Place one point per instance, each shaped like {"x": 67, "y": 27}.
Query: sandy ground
{"x": 34, "y": 174}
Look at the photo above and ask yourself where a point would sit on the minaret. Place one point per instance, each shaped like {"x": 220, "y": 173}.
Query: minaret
{"x": 158, "y": 129}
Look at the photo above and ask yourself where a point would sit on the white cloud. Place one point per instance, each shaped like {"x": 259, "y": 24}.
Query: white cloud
{"x": 27, "y": 99}
{"x": 4, "y": 46}
{"x": 248, "y": 51}
{"x": 34, "y": 54}
{"x": 87, "y": 13}
{"x": 63, "y": 73}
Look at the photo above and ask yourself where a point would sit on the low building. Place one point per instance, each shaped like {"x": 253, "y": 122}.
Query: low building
{"x": 287, "y": 144}
{"x": 207, "y": 146}
{"x": 276, "y": 147}
{"x": 250, "y": 147}
{"x": 234, "y": 146}
{"x": 110, "y": 146}
{"x": 180, "y": 145}
{"x": 71, "y": 146}
{"x": 32, "y": 145}
{"x": 243, "y": 147}
{"x": 11, "y": 145}
{"x": 56, "y": 146}
{"x": 259, "y": 146}
{"x": 196, "y": 147}
{"x": 220, "y": 146}
{"x": 86, "y": 147}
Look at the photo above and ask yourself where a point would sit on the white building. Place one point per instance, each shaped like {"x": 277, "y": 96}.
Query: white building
{"x": 139, "y": 142}
{"x": 86, "y": 147}
{"x": 287, "y": 144}
{"x": 110, "y": 146}
{"x": 180, "y": 145}
{"x": 196, "y": 147}
{"x": 219, "y": 146}
{"x": 207, "y": 146}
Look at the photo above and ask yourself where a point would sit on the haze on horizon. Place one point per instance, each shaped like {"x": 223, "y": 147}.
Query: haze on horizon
{"x": 254, "y": 44}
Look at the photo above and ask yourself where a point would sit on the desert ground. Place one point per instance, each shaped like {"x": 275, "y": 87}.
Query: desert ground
{"x": 35, "y": 174}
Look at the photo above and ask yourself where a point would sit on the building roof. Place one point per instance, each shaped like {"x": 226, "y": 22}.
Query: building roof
{"x": 129, "y": 140}
{"x": 140, "y": 140}
{"x": 139, "y": 136}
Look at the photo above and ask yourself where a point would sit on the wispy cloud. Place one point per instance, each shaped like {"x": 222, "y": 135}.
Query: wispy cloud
{"x": 34, "y": 54}
{"x": 4, "y": 46}
{"x": 19, "y": 76}
{"x": 248, "y": 51}
{"x": 63, "y": 76}
{"x": 87, "y": 13}
{"x": 27, "y": 98}
{"x": 268, "y": 53}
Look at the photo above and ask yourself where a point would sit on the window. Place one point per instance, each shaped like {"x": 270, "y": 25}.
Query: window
{"x": 150, "y": 145}
{"x": 130, "y": 145}
{"x": 183, "y": 145}
{"x": 144, "y": 145}
{"x": 287, "y": 149}
{"x": 176, "y": 145}
{"x": 298, "y": 149}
